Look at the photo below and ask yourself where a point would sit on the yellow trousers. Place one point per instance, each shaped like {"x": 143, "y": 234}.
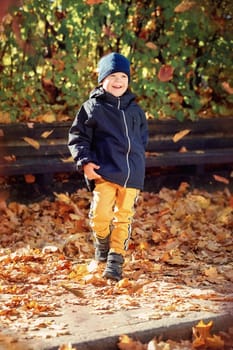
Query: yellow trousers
{"x": 111, "y": 213}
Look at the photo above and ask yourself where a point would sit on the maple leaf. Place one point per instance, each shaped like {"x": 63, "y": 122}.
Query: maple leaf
{"x": 202, "y": 336}
{"x": 127, "y": 343}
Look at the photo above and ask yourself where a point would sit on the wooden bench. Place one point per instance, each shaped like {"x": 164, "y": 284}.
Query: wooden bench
{"x": 207, "y": 142}
{"x": 36, "y": 148}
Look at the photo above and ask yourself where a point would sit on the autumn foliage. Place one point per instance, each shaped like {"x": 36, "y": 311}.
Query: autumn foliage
{"x": 181, "y": 55}
{"x": 180, "y": 255}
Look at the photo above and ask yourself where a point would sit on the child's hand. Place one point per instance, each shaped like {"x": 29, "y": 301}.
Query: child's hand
{"x": 89, "y": 171}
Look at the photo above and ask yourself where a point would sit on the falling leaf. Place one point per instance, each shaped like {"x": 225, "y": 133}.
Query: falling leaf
{"x": 35, "y": 144}
{"x": 29, "y": 178}
{"x": 5, "y": 117}
{"x": 175, "y": 97}
{"x": 48, "y": 117}
{"x": 184, "y": 6}
{"x": 93, "y": 2}
{"x": 179, "y": 135}
{"x": 30, "y": 125}
{"x": 11, "y": 158}
{"x": 226, "y": 86}
{"x": 183, "y": 149}
{"x": 151, "y": 45}
{"x": 68, "y": 160}
{"x": 221, "y": 179}
{"x": 46, "y": 134}
{"x": 165, "y": 73}
{"x": 1, "y": 133}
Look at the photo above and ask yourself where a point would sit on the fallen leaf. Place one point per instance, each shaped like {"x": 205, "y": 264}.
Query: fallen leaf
{"x": 76, "y": 291}
{"x": 127, "y": 343}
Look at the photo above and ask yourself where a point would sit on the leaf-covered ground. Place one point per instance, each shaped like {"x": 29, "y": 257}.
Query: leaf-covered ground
{"x": 180, "y": 252}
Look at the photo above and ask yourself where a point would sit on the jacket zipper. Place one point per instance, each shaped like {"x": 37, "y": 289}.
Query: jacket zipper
{"x": 129, "y": 144}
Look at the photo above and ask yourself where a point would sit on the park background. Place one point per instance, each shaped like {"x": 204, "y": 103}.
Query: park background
{"x": 180, "y": 51}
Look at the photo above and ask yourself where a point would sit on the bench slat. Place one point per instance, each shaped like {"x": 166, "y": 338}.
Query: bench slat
{"x": 213, "y": 156}
{"x": 210, "y": 141}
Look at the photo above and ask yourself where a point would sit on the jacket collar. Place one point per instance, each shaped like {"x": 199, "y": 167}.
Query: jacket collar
{"x": 122, "y": 101}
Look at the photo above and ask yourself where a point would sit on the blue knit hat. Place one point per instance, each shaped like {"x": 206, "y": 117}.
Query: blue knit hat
{"x": 113, "y": 63}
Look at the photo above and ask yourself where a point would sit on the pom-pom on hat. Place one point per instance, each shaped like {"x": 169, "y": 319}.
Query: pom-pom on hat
{"x": 113, "y": 63}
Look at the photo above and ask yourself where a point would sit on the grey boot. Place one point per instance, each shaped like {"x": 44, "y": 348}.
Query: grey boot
{"x": 101, "y": 249}
{"x": 113, "y": 269}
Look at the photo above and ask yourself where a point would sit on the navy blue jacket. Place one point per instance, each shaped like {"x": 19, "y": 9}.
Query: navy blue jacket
{"x": 111, "y": 132}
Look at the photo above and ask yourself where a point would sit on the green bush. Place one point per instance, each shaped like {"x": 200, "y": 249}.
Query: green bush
{"x": 50, "y": 50}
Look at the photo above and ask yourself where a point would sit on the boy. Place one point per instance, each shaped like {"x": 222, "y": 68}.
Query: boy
{"x": 107, "y": 140}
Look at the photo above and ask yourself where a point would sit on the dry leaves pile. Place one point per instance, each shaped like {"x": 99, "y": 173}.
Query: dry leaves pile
{"x": 202, "y": 339}
{"x": 180, "y": 257}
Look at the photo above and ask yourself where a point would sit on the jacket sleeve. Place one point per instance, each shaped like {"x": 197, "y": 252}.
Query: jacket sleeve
{"x": 80, "y": 139}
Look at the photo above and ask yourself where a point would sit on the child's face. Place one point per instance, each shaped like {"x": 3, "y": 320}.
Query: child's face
{"x": 116, "y": 83}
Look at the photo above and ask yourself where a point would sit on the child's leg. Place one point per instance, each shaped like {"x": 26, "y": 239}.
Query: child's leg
{"x": 102, "y": 208}
{"x": 123, "y": 216}
{"x": 121, "y": 231}
{"x": 101, "y": 215}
